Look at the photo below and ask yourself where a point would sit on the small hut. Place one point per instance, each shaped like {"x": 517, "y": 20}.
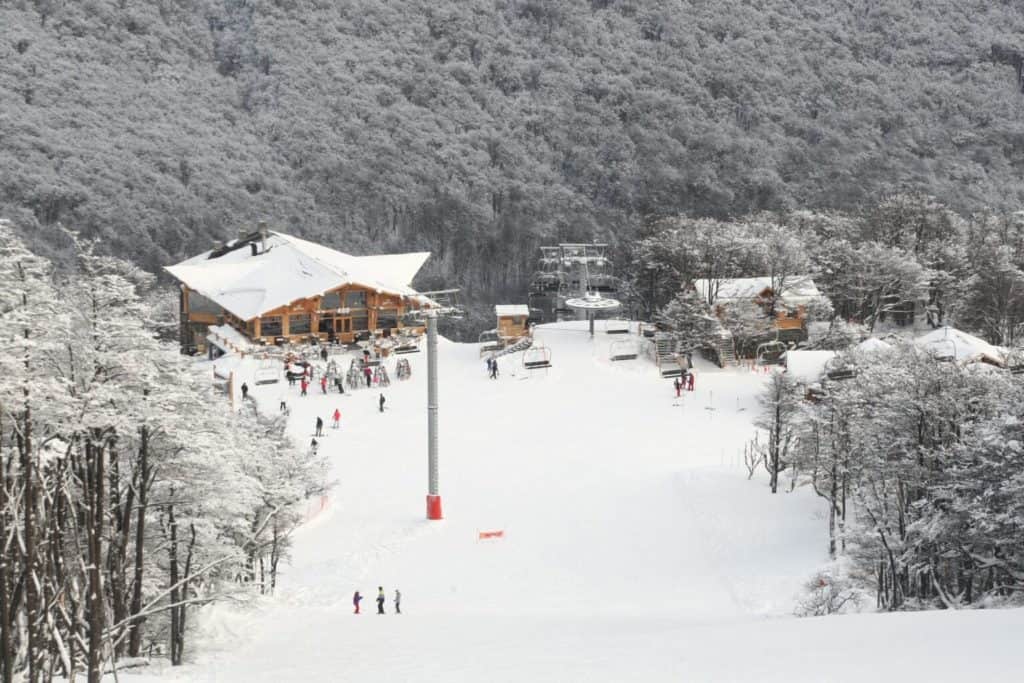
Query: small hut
{"x": 512, "y": 321}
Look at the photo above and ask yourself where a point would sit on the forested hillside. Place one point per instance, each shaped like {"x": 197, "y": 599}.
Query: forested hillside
{"x": 479, "y": 129}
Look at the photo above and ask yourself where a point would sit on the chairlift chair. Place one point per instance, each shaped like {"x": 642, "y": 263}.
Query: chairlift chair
{"x": 942, "y": 350}
{"x": 489, "y": 342}
{"x": 537, "y": 358}
{"x": 623, "y": 350}
{"x": 616, "y": 327}
{"x": 770, "y": 353}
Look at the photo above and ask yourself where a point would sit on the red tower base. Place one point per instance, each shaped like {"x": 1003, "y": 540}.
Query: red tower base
{"x": 434, "y": 507}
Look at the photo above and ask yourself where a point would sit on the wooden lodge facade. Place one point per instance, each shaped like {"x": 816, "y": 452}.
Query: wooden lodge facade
{"x": 275, "y": 289}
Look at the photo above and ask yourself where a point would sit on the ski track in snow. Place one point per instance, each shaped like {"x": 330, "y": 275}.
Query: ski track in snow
{"x": 635, "y": 548}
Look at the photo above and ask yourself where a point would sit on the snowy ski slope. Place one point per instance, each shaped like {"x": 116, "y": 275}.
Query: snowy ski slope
{"x": 634, "y": 548}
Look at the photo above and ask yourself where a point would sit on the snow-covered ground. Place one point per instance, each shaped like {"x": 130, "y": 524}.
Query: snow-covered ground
{"x": 634, "y": 546}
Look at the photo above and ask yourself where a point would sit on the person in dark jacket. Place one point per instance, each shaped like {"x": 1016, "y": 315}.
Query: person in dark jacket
{"x": 678, "y": 384}
{"x": 381, "y": 403}
{"x": 380, "y": 599}
{"x": 356, "y": 599}
{"x": 323, "y": 354}
{"x": 398, "y": 601}
{"x": 319, "y": 426}
{"x": 245, "y": 391}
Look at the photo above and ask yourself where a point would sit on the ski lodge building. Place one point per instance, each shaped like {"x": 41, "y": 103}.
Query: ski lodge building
{"x": 791, "y": 316}
{"x": 273, "y": 288}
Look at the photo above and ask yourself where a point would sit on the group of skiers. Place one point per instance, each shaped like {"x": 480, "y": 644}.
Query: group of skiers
{"x": 492, "y": 368}
{"x": 684, "y": 381}
{"x": 357, "y": 598}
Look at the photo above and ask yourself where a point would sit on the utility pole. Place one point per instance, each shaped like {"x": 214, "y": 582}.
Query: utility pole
{"x": 433, "y": 492}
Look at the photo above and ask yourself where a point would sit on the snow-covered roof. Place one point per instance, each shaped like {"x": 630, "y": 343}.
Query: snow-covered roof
{"x": 873, "y": 345}
{"x": 796, "y": 291}
{"x": 510, "y": 310}
{"x": 965, "y": 348}
{"x": 290, "y": 269}
{"x": 808, "y": 366}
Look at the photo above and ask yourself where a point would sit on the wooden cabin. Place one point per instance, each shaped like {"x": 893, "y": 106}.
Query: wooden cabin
{"x": 274, "y": 288}
{"x": 791, "y": 315}
{"x": 512, "y": 321}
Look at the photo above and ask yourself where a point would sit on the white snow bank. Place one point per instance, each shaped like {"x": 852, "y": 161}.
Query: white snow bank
{"x": 808, "y": 366}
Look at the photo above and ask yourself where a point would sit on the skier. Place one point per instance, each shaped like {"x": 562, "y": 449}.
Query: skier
{"x": 356, "y": 600}
{"x": 323, "y": 354}
{"x": 313, "y": 446}
{"x": 369, "y": 376}
{"x": 319, "y": 426}
{"x": 398, "y": 601}
{"x": 380, "y": 599}
{"x": 337, "y": 417}
{"x": 282, "y": 406}
{"x": 323, "y": 383}
{"x": 494, "y": 368}
{"x": 381, "y": 402}
{"x": 245, "y": 391}
{"x": 678, "y": 385}
{"x": 340, "y": 383}
{"x": 303, "y": 385}
{"x": 690, "y": 385}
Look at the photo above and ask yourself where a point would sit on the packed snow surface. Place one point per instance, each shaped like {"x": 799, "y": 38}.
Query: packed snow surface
{"x": 634, "y": 546}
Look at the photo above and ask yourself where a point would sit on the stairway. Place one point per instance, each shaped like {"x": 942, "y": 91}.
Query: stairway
{"x": 666, "y": 355}
{"x": 521, "y": 345}
{"x": 725, "y": 349}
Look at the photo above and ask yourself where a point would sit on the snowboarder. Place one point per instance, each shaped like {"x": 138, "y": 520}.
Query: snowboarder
{"x": 689, "y": 386}
{"x": 319, "y": 426}
{"x": 323, "y": 383}
{"x": 678, "y": 384}
{"x": 245, "y": 391}
{"x": 356, "y": 600}
{"x": 380, "y": 599}
{"x": 398, "y": 601}
{"x": 381, "y": 402}
{"x": 369, "y": 376}
{"x": 337, "y": 417}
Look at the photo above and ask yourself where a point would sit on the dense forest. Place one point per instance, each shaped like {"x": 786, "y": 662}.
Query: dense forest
{"x": 480, "y": 129}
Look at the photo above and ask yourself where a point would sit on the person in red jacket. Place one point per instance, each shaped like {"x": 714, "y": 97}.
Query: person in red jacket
{"x": 323, "y": 383}
{"x": 303, "y": 385}
{"x": 689, "y": 387}
{"x": 337, "y": 418}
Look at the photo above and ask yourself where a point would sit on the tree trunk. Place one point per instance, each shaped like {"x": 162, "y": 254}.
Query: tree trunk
{"x": 6, "y": 651}
{"x": 172, "y": 568}
{"x": 135, "y": 626}
{"x": 96, "y": 503}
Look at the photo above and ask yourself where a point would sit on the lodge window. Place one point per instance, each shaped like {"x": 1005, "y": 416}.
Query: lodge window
{"x": 197, "y": 303}
{"x": 299, "y": 324}
{"x": 360, "y": 321}
{"x": 355, "y": 300}
{"x": 330, "y": 301}
{"x": 270, "y": 326}
{"x": 387, "y": 319}
{"x": 326, "y": 325}
{"x": 343, "y": 325}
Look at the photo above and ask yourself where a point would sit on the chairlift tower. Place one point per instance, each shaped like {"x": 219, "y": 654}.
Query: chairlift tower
{"x": 445, "y": 308}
